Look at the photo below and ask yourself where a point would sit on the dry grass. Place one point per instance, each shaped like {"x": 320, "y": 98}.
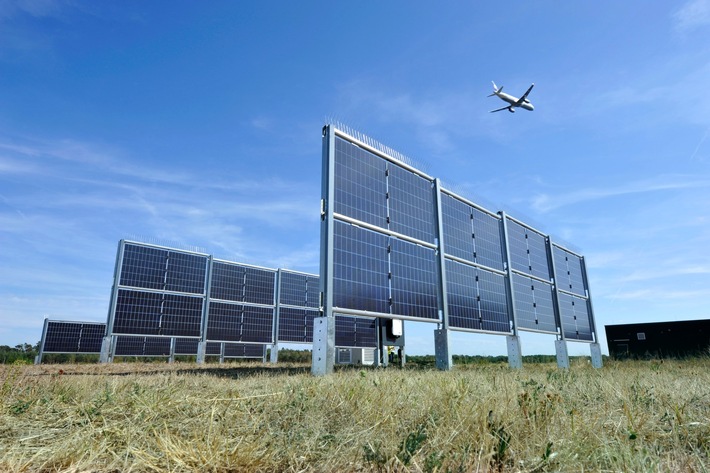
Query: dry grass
{"x": 629, "y": 416}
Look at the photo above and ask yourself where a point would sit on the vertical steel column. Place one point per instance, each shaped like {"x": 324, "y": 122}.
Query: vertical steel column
{"x": 112, "y": 355}
{"x": 515, "y": 356}
{"x": 38, "y": 358}
{"x": 323, "y": 354}
{"x": 106, "y": 349}
{"x": 560, "y": 343}
{"x": 171, "y": 358}
{"x": 594, "y": 347}
{"x": 274, "y": 358}
{"x": 202, "y": 344}
{"x": 444, "y": 360}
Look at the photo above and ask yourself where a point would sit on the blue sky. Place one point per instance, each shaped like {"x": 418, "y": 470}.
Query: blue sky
{"x": 198, "y": 124}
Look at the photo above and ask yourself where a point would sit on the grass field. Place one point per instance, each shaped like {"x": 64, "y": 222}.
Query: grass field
{"x": 628, "y": 416}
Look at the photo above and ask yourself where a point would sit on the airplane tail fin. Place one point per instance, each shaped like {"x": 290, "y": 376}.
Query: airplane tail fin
{"x": 495, "y": 89}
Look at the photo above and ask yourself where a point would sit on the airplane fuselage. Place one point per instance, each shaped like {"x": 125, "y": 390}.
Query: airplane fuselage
{"x": 514, "y": 100}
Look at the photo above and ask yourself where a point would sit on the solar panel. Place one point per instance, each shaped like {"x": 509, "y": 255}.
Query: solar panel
{"x": 73, "y": 337}
{"x": 528, "y": 251}
{"x": 156, "y": 313}
{"x": 240, "y": 323}
{"x": 576, "y": 320}
{"x": 142, "y": 346}
{"x": 213, "y": 349}
{"x": 411, "y": 204}
{"x": 186, "y": 346}
{"x": 299, "y": 289}
{"x": 241, "y": 283}
{"x": 162, "y": 269}
{"x": 243, "y": 350}
{"x": 477, "y": 298}
{"x": 569, "y": 271}
{"x": 296, "y": 325}
{"x": 355, "y": 332}
{"x": 471, "y": 234}
{"x": 360, "y": 184}
{"x": 413, "y": 279}
{"x": 534, "y": 304}
{"x": 360, "y": 279}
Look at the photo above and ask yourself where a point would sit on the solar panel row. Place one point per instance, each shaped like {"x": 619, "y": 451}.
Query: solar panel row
{"x": 72, "y": 337}
{"x": 158, "y": 295}
{"x": 499, "y": 274}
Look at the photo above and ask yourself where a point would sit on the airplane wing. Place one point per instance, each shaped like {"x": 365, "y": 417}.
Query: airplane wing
{"x": 500, "y": 109}
{"x": 525, "y": 95}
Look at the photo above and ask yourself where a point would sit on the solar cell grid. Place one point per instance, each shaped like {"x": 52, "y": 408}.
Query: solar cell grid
{"x": 457, "y": 220}
{"x": 142, "y": 346}
{"x": 185, "y": 273}
{"x": 300, "y": 290}
{"x": 360, "y": 184}
{"x": 476, "y": 298}
{"x": 411, "y": 204}
{"x": 574, "y": 312}
{"x": 91, "y": 337}
{"x": 488, "y": 245}
{"x": 296, "y": 325}
{"x": 239, "y": 323}
{"x": 414, "y": 280}
{"x": 569, "y": 271}
{"x": 186, "y": 346}
{"x": 143, "y": 267}
{"x": 471, "y": 234}
{"x": 355, "y": 332}
{"x": 162, "y": 269}
{"x": 238, "y": 283}
{"x": 154, "y": 313}
{"x": 213, "y": 349}
{"x": 242, "y": 350}
{"x": 534, "y": 304}
{"x": 62, "y": 337}
{"x": 360, "y": 279}
{"x": 528, "y": 251}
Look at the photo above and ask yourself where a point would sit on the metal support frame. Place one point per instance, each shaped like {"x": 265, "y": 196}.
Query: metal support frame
{"x": 444, "y": 360}
{"x": 323, "y": 355}
{"x": 561, "y": 354}
{"x": 596, "y": 354}
{"x": 202, "y": 345}
{"x": 38, "y": 358}
{"x": 107, "y": 348}
{"x": 515, "y": 357}
{"x": 171, "y": 357}
{"x": 274, "y": 355}
{"x": 560, "y": 344}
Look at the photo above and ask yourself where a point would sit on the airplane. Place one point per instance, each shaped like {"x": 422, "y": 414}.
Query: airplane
{"x": 521, "y": 102}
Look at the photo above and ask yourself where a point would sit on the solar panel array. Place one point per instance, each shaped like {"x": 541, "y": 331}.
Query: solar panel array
{"x": 400, "y": 246}
{"x": 167, "y": 292}
{"x": 75, "y": 337}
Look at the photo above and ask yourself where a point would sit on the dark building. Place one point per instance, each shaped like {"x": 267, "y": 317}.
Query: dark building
{"x": 659, "y": 339}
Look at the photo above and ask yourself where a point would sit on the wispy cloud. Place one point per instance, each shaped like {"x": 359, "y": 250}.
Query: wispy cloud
{"x": 544, "y": 202}
{"x": 35, "y": 8}
{"x": 694, "y": 14}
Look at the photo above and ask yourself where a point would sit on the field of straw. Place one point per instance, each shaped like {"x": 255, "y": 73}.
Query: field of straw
{"x": 628, "y": 416}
